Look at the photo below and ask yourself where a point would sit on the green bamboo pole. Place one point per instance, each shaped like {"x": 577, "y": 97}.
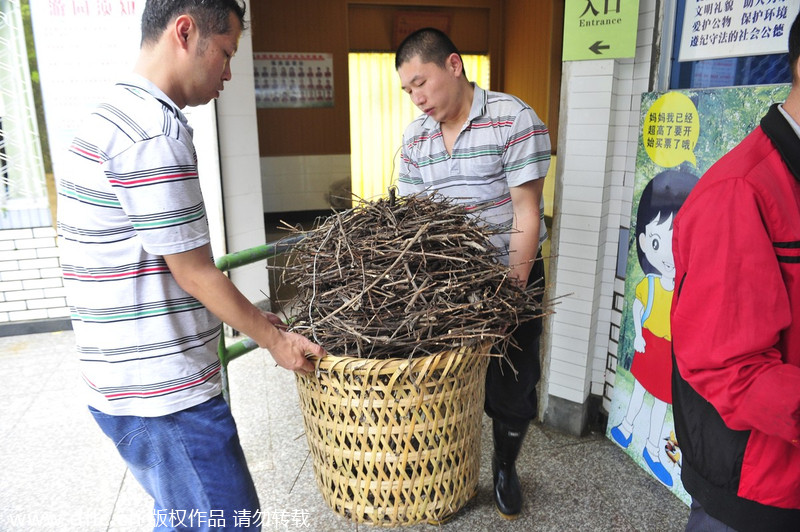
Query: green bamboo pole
{"x": 235, "y": 260}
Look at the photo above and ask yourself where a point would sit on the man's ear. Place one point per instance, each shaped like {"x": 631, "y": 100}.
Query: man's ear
{"x": 183, "y": 28}
{"x": 454, "y": 64}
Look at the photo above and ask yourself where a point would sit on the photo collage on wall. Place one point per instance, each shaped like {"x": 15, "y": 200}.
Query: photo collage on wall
{"x": 293, "y": 79}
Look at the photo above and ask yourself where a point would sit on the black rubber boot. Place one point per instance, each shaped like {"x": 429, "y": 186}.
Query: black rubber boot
{"x": 507, "y": 489}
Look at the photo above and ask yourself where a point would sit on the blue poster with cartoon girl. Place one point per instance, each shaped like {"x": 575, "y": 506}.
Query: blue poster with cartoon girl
{"x": 682, "y": 134}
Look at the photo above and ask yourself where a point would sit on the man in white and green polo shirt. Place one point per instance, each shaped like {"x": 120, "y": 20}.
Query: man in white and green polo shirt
{"x": 145, "y": 296}
{"x": 490, "y": 149}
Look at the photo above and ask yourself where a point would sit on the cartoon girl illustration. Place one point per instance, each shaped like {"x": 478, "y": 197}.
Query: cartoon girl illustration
{"x": 652, "y": 359}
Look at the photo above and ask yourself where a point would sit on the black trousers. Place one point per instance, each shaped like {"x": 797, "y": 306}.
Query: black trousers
{"x": 512, "y": 398}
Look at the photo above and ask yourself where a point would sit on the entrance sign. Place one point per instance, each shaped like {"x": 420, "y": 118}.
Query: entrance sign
{"x": 600, "y": 29}
{"x": 714, "y": 29}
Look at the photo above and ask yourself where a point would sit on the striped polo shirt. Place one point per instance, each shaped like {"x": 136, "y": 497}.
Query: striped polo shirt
{"x": 129, "y": 196}
{"x": 503, "y": 144}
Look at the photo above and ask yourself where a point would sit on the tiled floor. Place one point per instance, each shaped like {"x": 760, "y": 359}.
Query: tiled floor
{"x": 58, "y": 471}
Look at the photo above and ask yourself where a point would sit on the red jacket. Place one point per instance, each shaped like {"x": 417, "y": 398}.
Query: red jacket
{"x": 736, "y": 333}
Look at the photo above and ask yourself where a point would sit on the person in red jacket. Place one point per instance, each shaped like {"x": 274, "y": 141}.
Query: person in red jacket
{"x": 736, "y": 329}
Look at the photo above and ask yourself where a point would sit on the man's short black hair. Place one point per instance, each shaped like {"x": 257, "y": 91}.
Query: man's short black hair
{"x": 211, "y": 16}
{"x": 430, "y": 44}
{"x": 794, "y": 45}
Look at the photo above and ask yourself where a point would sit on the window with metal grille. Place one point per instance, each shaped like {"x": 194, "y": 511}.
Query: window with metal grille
{"x": 23, "y": 194}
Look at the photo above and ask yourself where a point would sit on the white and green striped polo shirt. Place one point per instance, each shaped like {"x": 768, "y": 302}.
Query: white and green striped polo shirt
{"x": 131, "y": 195}
{"x": 503, "y": 144}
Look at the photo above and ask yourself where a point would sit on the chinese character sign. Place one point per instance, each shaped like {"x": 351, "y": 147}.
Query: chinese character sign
{"x": 714, "y": 29}
{"x": 600, "y": 29}
{"x": 671, "y": 128}
{"x": 293, "y": 79}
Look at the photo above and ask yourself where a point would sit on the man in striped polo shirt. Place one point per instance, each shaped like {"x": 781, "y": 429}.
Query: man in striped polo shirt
{"x": 485, "y": 149}
{"x": 145, "y": 296}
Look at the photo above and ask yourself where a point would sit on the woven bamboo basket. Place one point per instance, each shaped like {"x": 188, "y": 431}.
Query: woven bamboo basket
{"x": 396, "y": 441}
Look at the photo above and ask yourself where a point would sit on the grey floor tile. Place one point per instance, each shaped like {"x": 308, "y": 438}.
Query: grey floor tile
{"x": 59, "y": 472}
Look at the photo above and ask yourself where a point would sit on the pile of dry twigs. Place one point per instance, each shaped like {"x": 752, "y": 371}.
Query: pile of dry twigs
{"x": 402, "y": 278}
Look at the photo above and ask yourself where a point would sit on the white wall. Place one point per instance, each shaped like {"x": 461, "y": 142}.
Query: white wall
{"x": 31, "y": 287}
{"x": 302, "y": 182}
{"x": 627, "y": 109}
{"x": 599, "y": 130}
{"x": 237, "y": 129}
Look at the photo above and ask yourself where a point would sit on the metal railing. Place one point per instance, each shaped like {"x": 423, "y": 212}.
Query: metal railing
{"x": 227, "y": 353}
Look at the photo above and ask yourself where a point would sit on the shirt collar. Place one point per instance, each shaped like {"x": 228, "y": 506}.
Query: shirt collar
{"x": 478, "y": 103}
{"x": 478, "y": 107}
{"x": 789, "y": 119}
{"x": 148, "y": 86}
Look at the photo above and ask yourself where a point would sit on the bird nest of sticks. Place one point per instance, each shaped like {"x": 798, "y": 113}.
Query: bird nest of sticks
{"x": 404, "y": 277}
